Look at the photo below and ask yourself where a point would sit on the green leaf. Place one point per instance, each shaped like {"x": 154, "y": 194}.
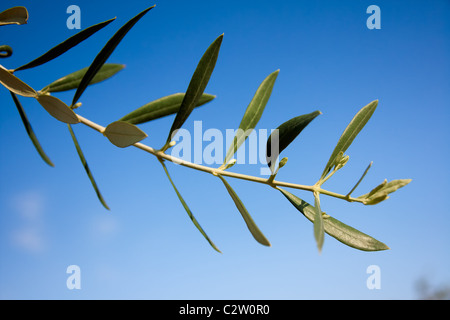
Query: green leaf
{"x": 86, "y": 167}
{"x": 252, "y": 114}
{"x": 382, "y": 191}
{"x": 360, "y": 179}
{"x": 197, "y": 85}
{"x": 161, "y": 107}
{"x": 189, "y": 212}
{"x": 72, "y": 81}
{"x": 14, "y": 84}
{"x": 335, "y": 228}
{"x": 286, "y": 133}
{"x": 251, "y": 225}
{"x": 318, "y": 223}
{"x": 394, "y": 185}
{"x": 123, "y": 134}
{"x": 104, "y": 54}
{"x": 57, "y": 109}
{"x": 350, "y": 133}
{"x": 30, "y": 131}
{"x": 65, "y": 46}
{"x": 283, "y": 162}
{"x": 374, "y": 190}
{"x": 15, "y": 15}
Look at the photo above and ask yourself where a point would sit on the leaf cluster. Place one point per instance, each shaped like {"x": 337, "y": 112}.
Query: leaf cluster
{"x": 124, "y": 132}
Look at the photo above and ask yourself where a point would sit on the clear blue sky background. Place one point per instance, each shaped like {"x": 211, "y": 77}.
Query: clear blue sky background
{"x": 146, "y": 247}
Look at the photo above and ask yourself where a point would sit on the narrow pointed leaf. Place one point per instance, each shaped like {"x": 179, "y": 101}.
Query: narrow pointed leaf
{"x": 57, "y": 109}
{"x": 86, "y": 167}
{"x": 65, "y": 45}
{"x": 104, "y": 54}
{"x": 251, "y": 225}
{"x": 14, "y": 84}
{"x": 318, "y": 223}
{"x": 287, "y": 132}
{"x": 394, "y": 185}
{"x": 161, "y": 107}
{"x": 123, "y": 134}
{"x": 335, "y": 228}
{"x": 350, "y": 133}
{"x": 197, "y": 85}
{"x": 30, "y": 131}
{"x": 374, "y": 190}
{"x": 360, "y": 179}
{"x": 377, "y": 199}
{"x": 382, "y": 191}
{"x": 72, "y": 81}
{"x": 189, "y": 212}
{"x": 15, "y": 15}
{"x": 252, "y": 114}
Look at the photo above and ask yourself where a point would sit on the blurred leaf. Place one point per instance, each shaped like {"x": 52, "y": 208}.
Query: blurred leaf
{"x": 382, "y": 191}
{"x": 72, "y": 81}
{"x": 189, "y": 212}
{"x": 65, "y": 46}
{"x": 376, "y": 199}
{"x": 5, "y": 51}
{"x": 14, "y": 84}
{"x": 15, "y": 15}
{"x": 349, "y": 134}
{"x": 283, "y": 162}
{"x": 86, "y": 167}
{"x": 287, "y": 132}
{"x": 251, "y": 225}
{"x": 394, "y": 185}
{"x": 197, "y": 85}
{"x": 374, "y": 190}
{"x": 123, "y": 134}
{"x": 57, "y": 109}
{"x": 338, "y": 230}
{"x": 318, "y": 223}
{"x": 30, "y": 131}
{"x": 161, "y": 107}
{"x": 252, "y": 114}
{"x": 104, "y": 54}
{"x": 230, "y": 164}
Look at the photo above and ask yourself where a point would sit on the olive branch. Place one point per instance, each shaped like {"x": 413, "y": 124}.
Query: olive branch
{"x": 125, "y": 132}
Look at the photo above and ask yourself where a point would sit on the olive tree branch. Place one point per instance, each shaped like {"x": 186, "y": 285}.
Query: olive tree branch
{"x": 216, "y": 171}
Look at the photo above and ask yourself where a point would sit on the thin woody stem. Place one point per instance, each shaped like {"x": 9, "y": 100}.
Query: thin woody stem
{"x": 161, "y": 155}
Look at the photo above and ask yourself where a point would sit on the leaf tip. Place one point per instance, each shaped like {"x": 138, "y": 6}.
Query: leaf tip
{"x": 148, "y": 9}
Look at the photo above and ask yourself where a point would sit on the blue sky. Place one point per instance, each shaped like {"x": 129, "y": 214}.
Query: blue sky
{"x": 146, "y": 247}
